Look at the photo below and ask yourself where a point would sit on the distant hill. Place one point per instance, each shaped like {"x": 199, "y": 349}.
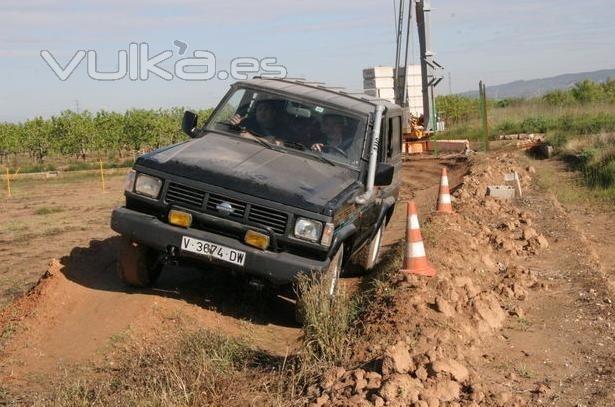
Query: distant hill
{"x": 538, "y": 87}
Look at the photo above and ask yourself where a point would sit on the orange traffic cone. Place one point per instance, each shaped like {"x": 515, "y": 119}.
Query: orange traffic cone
{"x": 415, "y": 261}
{"x": 444, "y": 197}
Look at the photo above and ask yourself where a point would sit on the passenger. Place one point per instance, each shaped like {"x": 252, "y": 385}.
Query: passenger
{"x": 334, "y": 132}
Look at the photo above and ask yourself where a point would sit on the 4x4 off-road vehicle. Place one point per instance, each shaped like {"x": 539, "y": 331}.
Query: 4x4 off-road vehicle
{"x": 285, "y": 177}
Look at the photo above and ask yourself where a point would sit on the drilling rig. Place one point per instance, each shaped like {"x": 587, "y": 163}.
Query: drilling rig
{"x": 420, "y": 119}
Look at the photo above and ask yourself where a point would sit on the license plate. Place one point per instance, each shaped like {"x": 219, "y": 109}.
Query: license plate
{"x": 214, "y": 250}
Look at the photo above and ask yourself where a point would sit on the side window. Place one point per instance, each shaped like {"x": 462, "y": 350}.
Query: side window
{"x": 394, "y": 139}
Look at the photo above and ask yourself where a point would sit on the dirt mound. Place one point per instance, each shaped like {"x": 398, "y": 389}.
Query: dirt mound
{"x": 80, "y": 309}
{"x": 420, "y": 345}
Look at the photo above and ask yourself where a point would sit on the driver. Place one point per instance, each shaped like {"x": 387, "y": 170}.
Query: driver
{"x": 334, "y": 130}
{"x": 264, "y": 122}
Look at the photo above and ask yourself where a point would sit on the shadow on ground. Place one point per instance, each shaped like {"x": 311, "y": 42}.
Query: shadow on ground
{"x": 213, "y": 289}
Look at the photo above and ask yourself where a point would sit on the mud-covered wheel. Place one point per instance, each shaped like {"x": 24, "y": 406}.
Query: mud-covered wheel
{"x": 137, "y": 265}
{"x": 369, "y": 255}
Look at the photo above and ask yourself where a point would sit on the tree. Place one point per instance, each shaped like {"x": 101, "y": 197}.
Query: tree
{"x": 559, "y": 98}
{"x": 588, "y": 91}
{"x": 73, "y": 133}
{"x": 35, "y": 135}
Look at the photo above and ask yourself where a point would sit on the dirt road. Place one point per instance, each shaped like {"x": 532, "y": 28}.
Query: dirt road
{"x": 523, "y": 301}
{"x": 76, "y": 314}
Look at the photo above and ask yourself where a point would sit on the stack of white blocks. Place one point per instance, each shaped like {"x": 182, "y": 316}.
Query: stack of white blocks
{"x": 378, "y": 82}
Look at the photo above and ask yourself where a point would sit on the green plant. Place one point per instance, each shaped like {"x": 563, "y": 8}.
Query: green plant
{"x": 326, "y": 320}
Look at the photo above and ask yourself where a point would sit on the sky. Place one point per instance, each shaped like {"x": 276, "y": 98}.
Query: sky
{"x": 497, "y": 41}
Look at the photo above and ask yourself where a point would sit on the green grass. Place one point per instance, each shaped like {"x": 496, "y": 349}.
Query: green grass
{"x": 593, "y": 158}
{"x": 533, "y": 117}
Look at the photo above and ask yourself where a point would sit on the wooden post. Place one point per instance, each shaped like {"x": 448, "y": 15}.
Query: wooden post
{"x": 8, "y": 182}
{"x": 102, "y": 176}
{"x": 483, "y": 114}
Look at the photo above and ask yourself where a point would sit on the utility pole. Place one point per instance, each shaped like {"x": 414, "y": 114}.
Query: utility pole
{"x": 404, "y": 101}
{"x": 400, "y": 28}
{"x": 450, "y": 84}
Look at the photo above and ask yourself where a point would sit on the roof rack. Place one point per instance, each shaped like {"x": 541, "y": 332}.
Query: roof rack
{"x": 333, "y": 89}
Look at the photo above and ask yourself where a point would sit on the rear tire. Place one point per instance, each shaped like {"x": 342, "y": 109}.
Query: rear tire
{"x": 369, "y": 255}
{"x": 137, "y": 265}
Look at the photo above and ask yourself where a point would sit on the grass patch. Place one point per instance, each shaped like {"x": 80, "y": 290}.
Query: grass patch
{"x": 47, "y": 211}
{"x": 567, "y": 190}
{"x": 530, "y": 117}
{"x": 592, "y": 158}
{"x": 194, "y": 369}
{"x": 524, "y": 372}
{"x": 326, "y": 321}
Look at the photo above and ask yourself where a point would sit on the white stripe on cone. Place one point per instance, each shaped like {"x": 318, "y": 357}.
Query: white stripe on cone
{"x": 444, "y": 181}
{"x": 417, "y": 250}
{"x": 413, "y": 222}
{"x": 445, "y": 199}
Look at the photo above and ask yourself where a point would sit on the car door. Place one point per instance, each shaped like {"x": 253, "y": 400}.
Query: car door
{"x": 371, "y": 211}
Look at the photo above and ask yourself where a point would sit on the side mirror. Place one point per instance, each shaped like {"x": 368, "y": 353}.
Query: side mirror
{"x": 189, "y": 123}
{"x": 384, "y": 175}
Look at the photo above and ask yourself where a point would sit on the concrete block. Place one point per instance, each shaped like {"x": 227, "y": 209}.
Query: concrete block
{"x": 449, "y": 146}
{"x": 512, "y": 179}
{"x": 413, "y": 70}
{"x": 378, "y": 83}
{"x": 378, "y": 72}
{"x": 545, "y": 150}
{"x": 388, "y": 94}
{"x": 504, "y": 192}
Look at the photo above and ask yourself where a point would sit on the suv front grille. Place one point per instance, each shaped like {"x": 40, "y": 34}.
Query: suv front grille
{"x": 239, "y": 208}
{"x": 183, "y": 195}
{"x": 197, "y": 199}
{"x": 268, "y": 217}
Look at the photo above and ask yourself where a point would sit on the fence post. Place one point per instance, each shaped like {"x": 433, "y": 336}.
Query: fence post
{"x": 8, "y": 182}
{"x": 102, "y": 176}
{"x": 483, "y": 114}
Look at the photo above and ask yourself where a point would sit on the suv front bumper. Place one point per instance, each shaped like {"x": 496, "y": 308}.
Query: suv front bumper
{"x": 278, "y": 268}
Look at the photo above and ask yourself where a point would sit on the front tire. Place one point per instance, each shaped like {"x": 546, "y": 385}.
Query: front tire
{"x": 137, "y": 265}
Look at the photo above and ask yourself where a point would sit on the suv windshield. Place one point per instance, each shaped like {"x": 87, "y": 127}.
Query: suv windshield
{"x": 279, "y": 121}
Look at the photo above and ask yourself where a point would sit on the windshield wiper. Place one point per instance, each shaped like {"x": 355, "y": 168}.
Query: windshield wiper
{"x": 321, "y": 158}
{"x": 296, "y": 146}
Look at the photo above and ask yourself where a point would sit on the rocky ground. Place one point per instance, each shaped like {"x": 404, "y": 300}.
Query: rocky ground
{"x": 520, "y": 313}
{"x": 515, "y": 279}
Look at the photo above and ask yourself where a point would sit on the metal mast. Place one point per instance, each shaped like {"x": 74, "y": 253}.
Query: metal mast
{"x": 428, "y": 65}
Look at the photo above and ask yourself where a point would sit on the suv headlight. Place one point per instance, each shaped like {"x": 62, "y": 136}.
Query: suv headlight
{"x": 147, "y": 185}
{"x": 129, "y": 182}
{"x": 308, "y": 229}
